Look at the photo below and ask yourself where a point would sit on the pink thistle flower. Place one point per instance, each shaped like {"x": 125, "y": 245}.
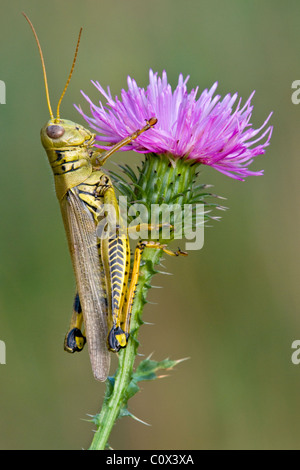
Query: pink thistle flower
{"x": 205, "y": 129}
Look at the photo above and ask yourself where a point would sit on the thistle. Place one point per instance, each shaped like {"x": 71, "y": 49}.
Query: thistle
{"x": 190, "y": 132}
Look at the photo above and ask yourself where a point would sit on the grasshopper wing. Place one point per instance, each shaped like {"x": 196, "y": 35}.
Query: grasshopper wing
{"x": 81, "y": 232}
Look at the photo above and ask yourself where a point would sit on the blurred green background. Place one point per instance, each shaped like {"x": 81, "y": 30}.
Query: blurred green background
{"x": 232, "y": 308}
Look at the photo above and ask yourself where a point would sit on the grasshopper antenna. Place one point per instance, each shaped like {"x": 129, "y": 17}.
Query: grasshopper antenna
{"x": 69, "y": 78}
{"x": 43, "y": 65}
{"x": 44, "y": 71}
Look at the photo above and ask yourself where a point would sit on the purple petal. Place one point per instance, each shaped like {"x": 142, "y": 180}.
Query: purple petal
{"x": 206, "y": 129}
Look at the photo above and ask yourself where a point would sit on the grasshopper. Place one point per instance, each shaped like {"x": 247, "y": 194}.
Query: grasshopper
{"x": 103, "y": 301}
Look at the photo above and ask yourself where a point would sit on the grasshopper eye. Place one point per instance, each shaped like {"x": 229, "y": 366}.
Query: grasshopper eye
{"x": 54, "y": 131}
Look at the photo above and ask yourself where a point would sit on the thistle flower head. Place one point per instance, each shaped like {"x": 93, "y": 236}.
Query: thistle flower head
{"x": 206, "y": 129}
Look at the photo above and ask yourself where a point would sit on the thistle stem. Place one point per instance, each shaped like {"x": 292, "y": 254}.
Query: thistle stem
{"x": 116, "y": 395}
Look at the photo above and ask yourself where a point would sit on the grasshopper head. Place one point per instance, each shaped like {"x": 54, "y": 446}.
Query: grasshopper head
{"x": 64, "y": 134}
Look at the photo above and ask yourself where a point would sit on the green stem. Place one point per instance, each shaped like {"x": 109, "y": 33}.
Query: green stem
{"x": 116, "y": 396}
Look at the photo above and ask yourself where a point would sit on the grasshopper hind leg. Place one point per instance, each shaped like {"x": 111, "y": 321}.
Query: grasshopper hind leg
{"x": 130, "y": 295}
{"x": 75, "y": 339}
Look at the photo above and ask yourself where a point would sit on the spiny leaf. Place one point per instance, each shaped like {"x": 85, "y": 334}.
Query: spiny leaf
{"x": 147, "y": 370}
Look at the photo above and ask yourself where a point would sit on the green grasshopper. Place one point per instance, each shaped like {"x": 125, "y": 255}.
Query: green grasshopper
{"x": 101, "y": 266}
{"x": 103, "y": 301}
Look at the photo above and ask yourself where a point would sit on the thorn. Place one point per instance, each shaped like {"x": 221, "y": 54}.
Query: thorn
{"x": 160, "y": 264}
{"x": 178, "y": 361}
{"x": 92, "y": 420}
{"x": 138, "y": 419}
{"x": 150, "y": 355}
{"x": 162, "y": 376}
{"x": 182, "y": 360}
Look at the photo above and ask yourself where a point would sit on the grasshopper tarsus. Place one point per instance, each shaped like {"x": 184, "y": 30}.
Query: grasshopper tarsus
{"x": 152, "y": 121}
